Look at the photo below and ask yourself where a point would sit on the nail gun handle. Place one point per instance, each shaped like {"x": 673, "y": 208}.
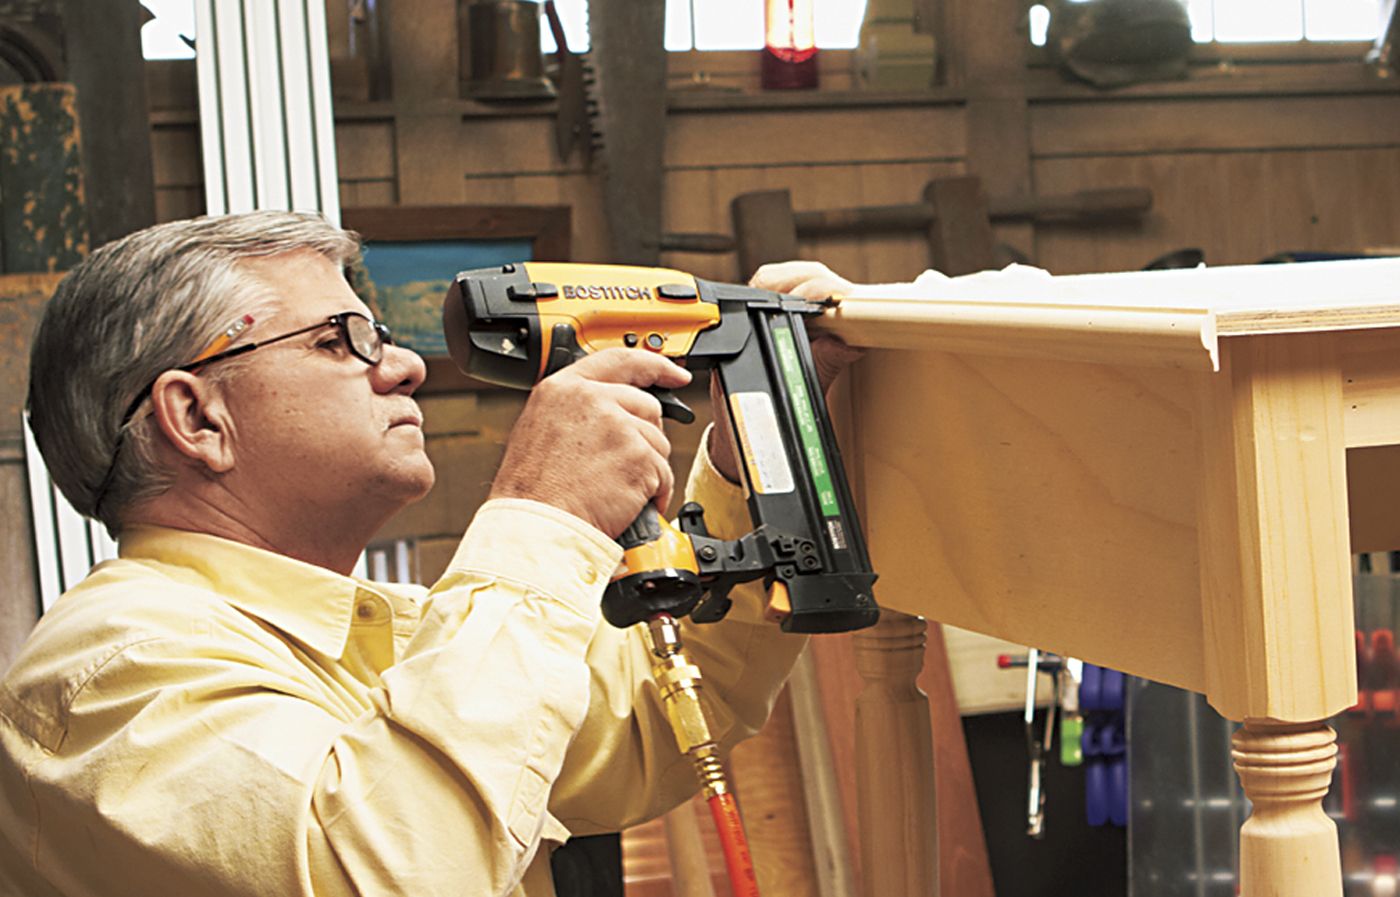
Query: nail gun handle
{"x": 646, "y": 528}
{"x": 659, "y": 572}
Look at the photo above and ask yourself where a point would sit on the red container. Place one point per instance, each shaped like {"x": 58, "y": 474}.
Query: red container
{"x": 790, "y": 46}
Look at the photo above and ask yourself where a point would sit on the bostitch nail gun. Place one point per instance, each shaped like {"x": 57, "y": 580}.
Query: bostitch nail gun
{"x": 516, "y": 324}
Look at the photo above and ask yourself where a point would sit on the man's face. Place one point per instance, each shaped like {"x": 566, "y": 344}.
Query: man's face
{"x": 315, "y": 428}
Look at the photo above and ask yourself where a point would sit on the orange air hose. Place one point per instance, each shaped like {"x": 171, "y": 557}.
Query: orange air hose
{"x": 737, "y": 860}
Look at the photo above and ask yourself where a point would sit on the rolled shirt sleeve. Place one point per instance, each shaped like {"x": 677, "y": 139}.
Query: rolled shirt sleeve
{"x": 202, "y": 751}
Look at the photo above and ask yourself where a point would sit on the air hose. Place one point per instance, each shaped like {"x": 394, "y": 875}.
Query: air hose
{"x": 678, "y": 680}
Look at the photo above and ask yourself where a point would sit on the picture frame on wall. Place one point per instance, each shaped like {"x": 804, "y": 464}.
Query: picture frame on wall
{"x": 411, "y": 254}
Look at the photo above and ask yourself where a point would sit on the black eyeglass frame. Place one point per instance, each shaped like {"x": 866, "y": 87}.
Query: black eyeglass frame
{"x": 339, "y": 320}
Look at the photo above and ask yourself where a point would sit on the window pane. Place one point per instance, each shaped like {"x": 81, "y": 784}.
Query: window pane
{"x": 573, "y": 15}
{"x": 838, "y": 23}
{"x": 160, "y": 37}
{"x": 678, "y": 25}
{"x": 1343, "y": 19}
{"x": 1258, "y": 20}
{"x": 1040, "y": 24}
{"x": 1202, "y": 20}
{"x": 728, "y": 25}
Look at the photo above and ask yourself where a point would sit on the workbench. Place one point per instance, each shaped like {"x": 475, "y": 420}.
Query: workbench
{"x": 1149, "y": 471}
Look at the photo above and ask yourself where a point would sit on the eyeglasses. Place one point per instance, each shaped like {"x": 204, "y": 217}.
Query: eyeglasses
{"x": 362, "y": 335}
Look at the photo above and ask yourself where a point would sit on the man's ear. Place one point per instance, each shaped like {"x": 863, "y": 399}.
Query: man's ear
{"x": 193, "y": 417}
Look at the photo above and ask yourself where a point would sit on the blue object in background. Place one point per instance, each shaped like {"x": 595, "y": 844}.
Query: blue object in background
{"x": 1105, "y": 744}
{"x": 408, "y": 279}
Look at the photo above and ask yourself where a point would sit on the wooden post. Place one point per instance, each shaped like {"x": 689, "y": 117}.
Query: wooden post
{"x": 765, "y": 229}
{"x": 894, "y": 762}
{"x": 1288, "y": 846}
{"x": 103, "y": 50}
{"x": 960, "y": 235}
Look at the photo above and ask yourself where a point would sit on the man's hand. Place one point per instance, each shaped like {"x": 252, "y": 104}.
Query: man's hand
{"x": 590, "y": 440}
{"x": 831, "y": 356}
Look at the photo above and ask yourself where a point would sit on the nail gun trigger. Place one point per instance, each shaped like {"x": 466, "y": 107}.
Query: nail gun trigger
{"x": 564, "y": 349}
{"x": 672, "y": 407}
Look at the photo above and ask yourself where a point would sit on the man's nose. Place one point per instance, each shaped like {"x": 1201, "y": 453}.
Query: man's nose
{"x": 400, "y": 369}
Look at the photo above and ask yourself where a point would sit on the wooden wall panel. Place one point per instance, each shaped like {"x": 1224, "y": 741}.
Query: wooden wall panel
{"x": 365, "y": 150}
{"x": 179, "y": 171}
{"x": 1238, "y": 207}
{"x": 814, "y": 136}
{"x": 1192, "y": 125}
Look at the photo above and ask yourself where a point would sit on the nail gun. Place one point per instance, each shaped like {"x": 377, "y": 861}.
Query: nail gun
{"x": 516, "y": 324}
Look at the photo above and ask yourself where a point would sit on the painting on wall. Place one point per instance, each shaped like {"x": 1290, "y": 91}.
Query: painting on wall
{"x": 411, "y": 254}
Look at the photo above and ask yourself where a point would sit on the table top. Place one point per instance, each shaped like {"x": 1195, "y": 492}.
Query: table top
{"x": 1171, "y": 318}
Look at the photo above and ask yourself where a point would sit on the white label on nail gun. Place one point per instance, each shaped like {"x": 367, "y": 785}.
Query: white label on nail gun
{"x": 756, "y": 423}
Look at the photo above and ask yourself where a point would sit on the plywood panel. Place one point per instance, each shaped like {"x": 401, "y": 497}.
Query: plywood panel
{"x": 812, "y": 136}
{"x": 1234, "y": 123}
{"x": 692, "y": 206}
{"x": 359, "y": 194}
{"x": 175, "y": 203}
{"x": 583, "y": 194}
{"x": 425, "y": 150}
{"x": 489, "y": 189}
{"x": 729, "y": 183}
{"x": 897, "y": 257}
{"x": 423, "y": 51}
{"x": 829, "y": 187}
{"x": 510, "y": 145}
{"x": 364, "y": 150}
{"x": 1036, "y": 485}
{"x": 175, "y": 156}
{"x": 1238, "y": 207}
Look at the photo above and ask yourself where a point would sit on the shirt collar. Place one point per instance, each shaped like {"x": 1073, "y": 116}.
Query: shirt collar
{"x": 311, "y": 604}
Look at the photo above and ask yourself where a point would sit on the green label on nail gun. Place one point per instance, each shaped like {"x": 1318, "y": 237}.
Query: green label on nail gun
{"x": 806, "y": 420}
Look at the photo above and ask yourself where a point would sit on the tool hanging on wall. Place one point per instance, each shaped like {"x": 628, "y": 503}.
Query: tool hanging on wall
{"x": 628, "y": 59}
{"x": 1063, "y": 706}
{"x": 499, "y": 47}
{"x": 578, "y": 103}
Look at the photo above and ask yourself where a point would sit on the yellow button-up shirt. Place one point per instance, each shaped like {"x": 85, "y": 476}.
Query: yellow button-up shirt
{"x": 201, "y": 718}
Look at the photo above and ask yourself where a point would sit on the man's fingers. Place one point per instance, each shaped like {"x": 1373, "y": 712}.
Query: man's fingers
{"x": 784, "y": 276}
{"x": 822, "y": 288}
{"x": 635, "y": 401}
{"x": 808, "y": 280}
{"x": 636, "y": 367}
{"x": 666, "y": 488}
{"x": 831, "y": 356}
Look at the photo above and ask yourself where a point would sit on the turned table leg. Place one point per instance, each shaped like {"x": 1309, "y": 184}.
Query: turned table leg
{"x": 894, "y": 762}
{"x": 1288, "y": 845}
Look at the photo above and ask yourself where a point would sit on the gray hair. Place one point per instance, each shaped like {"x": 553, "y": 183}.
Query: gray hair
{"x": 135, "y": 308}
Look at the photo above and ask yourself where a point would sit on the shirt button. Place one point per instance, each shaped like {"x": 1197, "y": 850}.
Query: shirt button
{"x": 364, "y": 610}
{"x": 590, "y": 574}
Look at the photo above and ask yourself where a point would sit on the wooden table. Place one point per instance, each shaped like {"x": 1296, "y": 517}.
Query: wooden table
{"x": 1148, "y": 471}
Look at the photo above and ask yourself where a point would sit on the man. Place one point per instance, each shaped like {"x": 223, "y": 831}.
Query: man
{"x": 224, "y": 710}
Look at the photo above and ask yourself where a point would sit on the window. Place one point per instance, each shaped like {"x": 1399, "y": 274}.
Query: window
{"x": 720, "y": 24}
{"x": 1241, "y": 21}
{"x": 161, "y": 38}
